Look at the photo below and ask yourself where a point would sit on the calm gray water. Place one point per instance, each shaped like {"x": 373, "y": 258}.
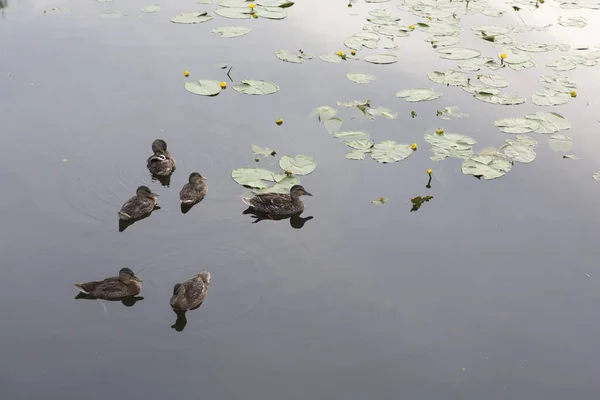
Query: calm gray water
{"x": 491, "y": 290}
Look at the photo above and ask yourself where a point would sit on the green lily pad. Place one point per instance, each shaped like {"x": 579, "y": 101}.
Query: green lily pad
{"x": 351, "y": 135}
{"x": 521, "y": 66}
{"x": 596, "y": 176}
{"x": 418, "y": 94}
{"x": 151, "y": 9}
{"x": 521, "y": 150}
{"x": 204, "y": 87}
{"x": 282, "y": 186}
{"x": 255, "y": 177}
{"x": 389, "y": 151}
{"x": 517, "y": 125}
{"x": 331, "y": 57}
{"x": 362, "y": 39}
{"x": 536, "y": 47}
{"x": 500, "y": 98}
{"x": 381, "y": 59}
{"x": 359, "y": 77}
{"x": 515, "y": 56}
{"x": 191, "y": 18}
{"x": 450, "y": 112}
{"x": 232, "y": 31}
{"x": 560, "y": 143}
{"x": 256, "y": 87}
{"x": 360, "y": 144}
{"x": 234, "y": 13}
{"x": 113, "y": 14}
{"x": 549, "y": 122}
{"x": 286, "y": 56}
{"x": 549, "y": 97}
{"x": 449, "y": 145}
{"x": 439, "y": 28}
{"x": 299, "y": 165}
{"x": 494, "y": 80}
{"x": 458, "y": 53}
{"x": 448, "y": 77}
{"x": 263, "y": 152}
{"x": 491, "y": 30}
{"x": 487, "y": 166}
{"x": 355, "y": 155}
{"x": 271, "y": 12}
{"x": 443, "y": 41}
{"x": 558, "y": 83}
{"x": 392, "y": 30}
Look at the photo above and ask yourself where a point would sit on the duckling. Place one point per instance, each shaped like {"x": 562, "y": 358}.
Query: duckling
{"x": 194, "y": 191}
{"x": 279, "y": 204}
{"x": 161, "y": 163}
{"x": 124, "y": 285}
{"x": 191, "y": 293}
{"x": 140, "y": 205}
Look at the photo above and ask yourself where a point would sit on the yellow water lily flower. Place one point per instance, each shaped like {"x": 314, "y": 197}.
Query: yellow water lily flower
{"x": 223, "y": 85}
{"x": 429, "y": 18}
{"x": 353, "y": 52}
{"x": 411, "y": 27}
{"x": 429, "y": 171}
{"x": 251, "y": 6}
{"x": 413, "y": 146}
{"x": 254, "y": 15}
{"x": 440, "y": 131}
{"x": 279, "y": 121}
{"x": 502, "y": 56}
{"x": 186, "y": 73}
{"x": 573, "y": 93}
{"x": 340, "y": 53}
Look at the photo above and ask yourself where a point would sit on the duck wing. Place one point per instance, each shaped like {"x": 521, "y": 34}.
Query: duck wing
{"x": 195, "y": 291}
{"x": 270, "y": 202}
{"x": 191, "y": 194}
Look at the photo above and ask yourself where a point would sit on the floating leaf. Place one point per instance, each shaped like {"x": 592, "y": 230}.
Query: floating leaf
{"x": 323, "y": 113}
{"x": 549, "y": 122}
{"x": 271, "y": 12}
{"x": 560, "y": 143}
{"x": 299, "y": 165}
{"x": 517, "y": 125}
{"x": 451, "y": 112}
{"x": 151, "y": 9}
{"x": 381, "y": 59}
{"x": 360, "y": 77}
{"x": 380, "y": 201}
{"x": 232, "y": 31}
{"x": 521, "y": 150}
{"x": 113, "y": 14}
{"x": 234, "y": 13}
{"x": 191, "y": 18}
{"x": 443, "y": 41}
{"x": 488, "y": 166}
{"x": 282, "y": 186}
{"x": 333, "y": 125}
{"x": 449, "y": 145}
{"x": 256, "y": 87}
{"x": 255, "y": 177}
{"x": 575, "y": 22}
{"x": 458, "y": 53}
{"x": 362, "y": 39}
{"x": 514, "y": 56}
{"x": 550, "y": 98}
{"x": 475, "y": 64}
{"x": 500, "y": 98}
{"x": 448, "y": 77}
{"x": 418, "y": 94}
{"x": 558, "y": 83}
{"x": 351, "y": 135}
{"x": 204, "y": 87}
{"x": 286, "y": 56}
{"x": 571, "y": 157}
{"x": 536, "y": 47}
{"x": 263, "y": 152}
{"x": 418, "y": 201}
{"x": 389, "y": 151}
{"x": 356, "y": 155}
{"x": 331, "y": 57}
{"x": 494, "y": 80}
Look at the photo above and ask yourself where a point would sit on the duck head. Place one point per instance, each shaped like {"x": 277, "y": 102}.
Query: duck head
{"x": 127, "y": 276}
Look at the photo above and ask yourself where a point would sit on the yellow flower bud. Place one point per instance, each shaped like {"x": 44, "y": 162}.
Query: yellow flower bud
{"x": 186, "y": 73}
{"x": 340, "y": 53}
{"x": 223, "y": 85}
{"x": 503, "y": 56}
{"x": 413, "y": 146}
{"x": 429, "y": 171}
{"x": 279, "y": 121}
{"x": 573, "y": 93}
{"x": 440, "y": 131}
{"x": 353, "y": 52}
{"x": 251, "y": 5}
{"x": 411, "y": 27}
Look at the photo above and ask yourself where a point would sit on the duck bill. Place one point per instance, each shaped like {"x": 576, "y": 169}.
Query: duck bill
{"x": 137, "y": 278}
{"x": 307, "y": 194}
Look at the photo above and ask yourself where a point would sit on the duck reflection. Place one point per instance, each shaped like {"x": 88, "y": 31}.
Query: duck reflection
{"x": 296, "y": 221}
{"x": 188, "y": 295}
{"x": 3, "y": 5}
{"x": 163, "y": 180}
{"x": 126, "y": 301}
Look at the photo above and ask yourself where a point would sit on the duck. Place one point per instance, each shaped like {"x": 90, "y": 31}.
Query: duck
{"x": 116, "y": 287}
{"x": 140, "y": 205}
{"x": 161, "y": 163}
{"x": 191, "y": 293}
{"x": 194, "y": 191}
{"x": 278, "y": 204}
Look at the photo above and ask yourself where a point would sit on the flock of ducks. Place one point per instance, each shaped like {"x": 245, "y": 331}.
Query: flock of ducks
{"x": 190, "y": 294}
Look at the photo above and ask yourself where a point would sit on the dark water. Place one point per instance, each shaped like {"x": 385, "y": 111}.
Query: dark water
{"x": 482, "y": 293}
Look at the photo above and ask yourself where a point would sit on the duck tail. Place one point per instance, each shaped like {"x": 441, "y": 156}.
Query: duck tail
{"x": 124, "y": 215}
{"x": 80, "y": 287}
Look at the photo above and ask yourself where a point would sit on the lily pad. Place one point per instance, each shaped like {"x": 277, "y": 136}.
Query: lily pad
{"x": 234, "y": 13}
{"x": 286, "y": 56}
{"x": 517, "y": 125}
{"x": 323, "y": 113}
{"x": 487, "y": 166}
{"x": 560, "y": 143}
{"x": 232, "y": 31}
{"x": 191, "y": 18}
{"x": 550, "y": 98}
{"x": 151, "y": 9}
{"x": 575, "y": 22}
{"x": 333, "y": 125}
{"x": 359, "y": 77}
{"x": 351, "y": 135}
{"x": 558, "y": 83}
{"x": 381, "y": 59}
{"x": 255, "y": 177}
{"x": 449, "y": 145}
{"x": 458, "y": 53}
{"x": 299, "y": 165}
{"x": 515, "y": 56}
{"x": 549, "y": 122}
{"x": 536, "y": 47}
{"x": 355, "y": 155}
{"x": 596, "y": 176}
{"x": 494, "y": 80}
{"x": 263, "y": 152}
{"x": 500, "y": 98}
{"x": 113, "y": 14}
{"x": 389, "y": 151}
{"x": 521, "y": 150}
{"x": 256, "y": 87}
{"x": 282, "y": 186}
{"x": 418, "y": 94}
{"x": 271, "y": 12}
{"x": 443, "y": 41}
{"x": 204, "y": 87}
{"x": 448, "y": 77}
{"x": 331, "y": 57}
{"x": 450, "y": 112}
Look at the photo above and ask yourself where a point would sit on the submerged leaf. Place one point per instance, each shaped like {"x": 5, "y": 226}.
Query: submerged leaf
{"x": 560, "y": 143}
{"x": 299, "y": 165}
{"x": 333, "y": 125}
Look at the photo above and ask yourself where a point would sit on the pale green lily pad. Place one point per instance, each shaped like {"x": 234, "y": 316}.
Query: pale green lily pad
{"x": 475, "y": 64}
{"x": 255, "y": 177}
{"x": 575, "y": 22}
{"x": 363, "y": 39}
{"x": 521, "y": 150}
{"x": 443, "y": 41}
{"x": 60, "y": 9}
{"x": 449, "y": 145}
{"x": 383, "y": 111}
{"x": 380, "y": 201}
{"x": 271, "y": 12}
{"x": 491, "y": 30}
{"x": 204, "y": 87}
{"x": 191, "y": 18}
{"x": 333, "y": 125}
{"x": 262, "y": 151}
{"x": 256, "y": 87}
{"x": 450, "y": 112}
{"x": 596, "y": 176}
{"x": 521, "y": 66}
{"x": 536, "y": 47}
{"x": 487, "y": 166}
{"x": 299, "y": 165}
{"x": 500, "y": 98}
{"x": 558, "y": 83}
{"x": 515, "y": 56}
{"x": 389, "y": 151}
{"x": 331, "y": 57}
{"x": 549, "y": 122}
{"x": 282, "y": 186}
{"x": 355, "y": 155}
{"x": 360, "y": 77}
{"x": 323, "y": 113}
{"x": 392, "y": 30}
{"x": 351, "y": 135}
{"x": 458, "y": 53}
{"x": 439, "y": 28}
{"x": 550, "y": 98}
{"x": 234, "y": 13}
{"x": 232, "y": 31}
{"x": 360, "y": 148}
{"x": 448, "y": 77}
{"x": 560, "y": 143}
{"x": 298, "y": 58}
{"x": 494, "y": 80}
{"x": 418, "y": 94}
{"x": 151, "y": 9}
{"x": 381, "y": 59}
{"x": 517, "y": 125}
